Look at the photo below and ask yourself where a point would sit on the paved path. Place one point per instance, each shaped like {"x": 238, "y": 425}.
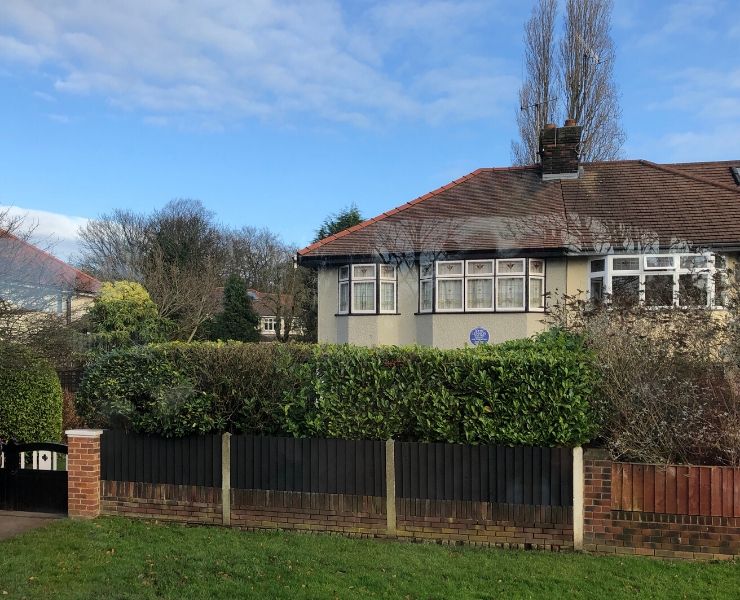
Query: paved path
{"x": 13, "y": 522}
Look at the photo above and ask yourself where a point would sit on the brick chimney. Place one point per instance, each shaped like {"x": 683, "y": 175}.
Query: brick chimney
{"x": 559, "y": 150}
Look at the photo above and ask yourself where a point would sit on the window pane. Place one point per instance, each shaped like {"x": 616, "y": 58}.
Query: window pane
{"x": 480, "y": 267}
{"x": 343, "y": 297}
{"x": 513, "y": 267}
{"x": 626, "y": 289}
{"x": 449, "y": 294}
{"x": 693, "y": 262}
{"x": 363, "y": 296}
{"x": 426, "y": 296}
{"x": 536, "y": 266}
{"x": 343, "y": 273}
{"x": 720, "y": 262}
{"x": 720, "y": 289}
{"x": 536, "y": 293}
{"x": 660, "y": 262}
{"x": 480, "y": 293}
{"x": 693, "y": 290}
{"x": 450, "y": 268}
{"x": 363, "y": 272}
{"x": 598, "y": 266}
{"x": 387, "y": 272}
{"x": 597, "y": 289}
{"x": 626, "y": 264}
{"x": 387, "y": 296}
{"x": 659, "y": 290}
{"x": 510, "y": 292}
{"x": 426, "y": 270}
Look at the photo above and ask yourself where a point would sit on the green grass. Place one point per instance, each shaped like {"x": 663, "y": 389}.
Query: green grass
{"x": 121, "y": 558}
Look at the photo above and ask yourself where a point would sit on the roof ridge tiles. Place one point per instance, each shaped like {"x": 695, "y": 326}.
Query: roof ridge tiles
{"x": 396, "y": 210}
{"x": 672, "y": 171}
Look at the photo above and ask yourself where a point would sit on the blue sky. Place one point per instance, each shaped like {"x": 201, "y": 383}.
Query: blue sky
{"x": 276, "y": 114}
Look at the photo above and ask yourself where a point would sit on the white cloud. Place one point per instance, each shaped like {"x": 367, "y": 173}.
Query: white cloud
{"x": 52, "y": 231}
{"x": 264, "y": 59}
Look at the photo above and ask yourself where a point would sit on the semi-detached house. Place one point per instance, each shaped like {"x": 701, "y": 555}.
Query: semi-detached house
{"x": 486, "y": 255}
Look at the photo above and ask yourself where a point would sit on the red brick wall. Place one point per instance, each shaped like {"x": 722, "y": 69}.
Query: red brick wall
{"x": 670, "y": 535}
{"x": 362, "y": 516}
{"x": 83, "y": 476}
{"x": 486, "y": 524}
{"x": 185, "y": 503}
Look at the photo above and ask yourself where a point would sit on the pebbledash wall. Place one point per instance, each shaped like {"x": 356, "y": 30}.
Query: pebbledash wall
{"x": 547, "y": 498}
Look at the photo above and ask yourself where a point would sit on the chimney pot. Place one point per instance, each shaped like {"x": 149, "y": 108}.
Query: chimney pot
{"x": 550, "y": 126}
{"x": 570, "y": 122}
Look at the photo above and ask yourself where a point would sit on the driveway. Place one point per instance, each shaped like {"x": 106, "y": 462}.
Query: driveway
{"x": 13, "y": 523}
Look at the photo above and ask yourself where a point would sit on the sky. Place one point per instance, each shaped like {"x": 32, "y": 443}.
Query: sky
{"x": 277, "y": 114}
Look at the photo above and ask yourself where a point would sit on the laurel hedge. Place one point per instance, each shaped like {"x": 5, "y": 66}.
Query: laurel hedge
{"x": 30, "y": 397}
{"x": 533, "y": 392}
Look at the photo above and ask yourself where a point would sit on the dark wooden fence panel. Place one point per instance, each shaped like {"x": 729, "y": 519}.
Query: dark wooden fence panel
{"x": 192, "y": 460}
{"x": 518, "y": 475}
{"x": 308, "y": 465}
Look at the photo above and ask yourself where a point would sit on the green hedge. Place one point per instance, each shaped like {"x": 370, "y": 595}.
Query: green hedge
{"x": 530, "y": 392}
{"x": 30, "y": 397}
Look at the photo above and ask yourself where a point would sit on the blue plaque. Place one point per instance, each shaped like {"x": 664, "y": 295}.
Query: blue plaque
{"x": 479, "y": 336}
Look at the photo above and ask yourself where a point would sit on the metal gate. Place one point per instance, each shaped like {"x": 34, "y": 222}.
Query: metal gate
{"x": 33, "y": 477}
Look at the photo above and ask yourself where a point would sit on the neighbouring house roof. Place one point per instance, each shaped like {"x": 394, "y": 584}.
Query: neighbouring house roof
{"x": 264, "y": 304}
{"x": 617, "y": 205}
{"x": 22, "y": 263}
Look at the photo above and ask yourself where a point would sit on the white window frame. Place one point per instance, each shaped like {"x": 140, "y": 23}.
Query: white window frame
{"x": 386, "y": 280}
{"x": 539, "y": 277}
{"x": 365, "y": 279}
{"x": 428, "y": 278}
{"x": 267, "y": 321}
{"x": 644, "y": 271}
{"x": 523, "y": 306}
{"x": 469, "y": 276}
{"x": 344, "y": 281}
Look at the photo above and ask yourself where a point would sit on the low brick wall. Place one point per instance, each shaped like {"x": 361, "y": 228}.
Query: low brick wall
{"x": 186, "y": 503}
{"x": 608, "y": 528}
{"x": 362, "y": 516}
{"x": 486, "y": 523}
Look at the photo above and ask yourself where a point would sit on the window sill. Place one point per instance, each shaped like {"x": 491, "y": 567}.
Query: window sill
{"x": 383, "y": 314}
{"x": 483, "y": 312}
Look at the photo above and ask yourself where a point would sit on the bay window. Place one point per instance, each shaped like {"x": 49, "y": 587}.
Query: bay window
{"x": 482, "y": 285}
{"x": 658, "y": 280}
{"x": 367, "y": 289}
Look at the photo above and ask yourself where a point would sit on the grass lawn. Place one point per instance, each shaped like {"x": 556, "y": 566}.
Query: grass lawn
{"x": 121, "y": 558}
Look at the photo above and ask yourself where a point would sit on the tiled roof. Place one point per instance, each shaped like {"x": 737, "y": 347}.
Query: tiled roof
{"x": 25, "y": 264}
{"x": 619, "y": 204}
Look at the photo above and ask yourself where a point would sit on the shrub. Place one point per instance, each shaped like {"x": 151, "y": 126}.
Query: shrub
{"x": 30, "y": 397}
{"x": 666, "y": 390}
{"x": 536, "y": 392}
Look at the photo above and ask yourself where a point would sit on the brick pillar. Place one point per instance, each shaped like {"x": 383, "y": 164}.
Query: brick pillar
{"x": 597, "y": 500}
{"x": 83, "y": 473}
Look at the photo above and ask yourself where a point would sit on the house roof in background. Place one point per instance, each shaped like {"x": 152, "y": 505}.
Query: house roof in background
{"x": 23, "y": 263}
{"x": 619, "y": 205}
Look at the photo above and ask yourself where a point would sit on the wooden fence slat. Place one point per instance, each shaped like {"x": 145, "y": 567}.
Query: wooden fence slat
{"x": 637, "y": 487}
{"x": 715, "y": 475}
{"x": 705, "y": 491}
{"x": 682, "y": 490}
{"x": 648, "y": 488}
{"x": 660, "y": 489}
{"x": 694, "y": 493}
{"x": 627, "y": 487}
{"x": 728, "y": 484}
{"x": 670, "y": 489}
{"x": 736, "y": 499}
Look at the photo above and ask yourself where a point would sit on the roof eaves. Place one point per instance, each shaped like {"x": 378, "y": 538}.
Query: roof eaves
{"x": 305, "y": 251}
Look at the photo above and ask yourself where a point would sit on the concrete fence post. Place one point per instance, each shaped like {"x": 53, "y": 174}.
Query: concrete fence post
{"x": 226, "y": 479}
{"x": 390, "y": 486}
{"x": 83, "y": 473}
{"x": 578, "y": 514}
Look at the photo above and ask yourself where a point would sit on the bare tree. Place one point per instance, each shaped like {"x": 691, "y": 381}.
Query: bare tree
{"x": 536, "y": 102}
{"x": 576, "y": 81}
{"x": 113, "y": 246}
{"x": 586, "y": 81}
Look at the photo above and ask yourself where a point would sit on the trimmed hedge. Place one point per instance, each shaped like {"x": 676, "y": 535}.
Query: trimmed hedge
{"x": 30, "y": 397}
{"x": 531, "y": 392}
